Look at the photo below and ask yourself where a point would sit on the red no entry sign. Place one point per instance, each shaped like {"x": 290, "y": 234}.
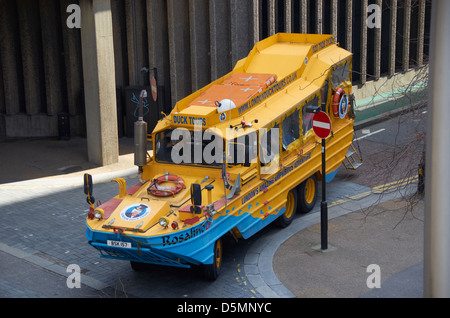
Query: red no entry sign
{"x": 321, "y": 124}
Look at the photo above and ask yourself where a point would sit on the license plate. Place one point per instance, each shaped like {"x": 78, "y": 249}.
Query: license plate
{"x": 118, "y": 244}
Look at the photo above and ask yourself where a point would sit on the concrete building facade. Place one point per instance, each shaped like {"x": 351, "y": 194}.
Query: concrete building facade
{"x": 91, "y": 71}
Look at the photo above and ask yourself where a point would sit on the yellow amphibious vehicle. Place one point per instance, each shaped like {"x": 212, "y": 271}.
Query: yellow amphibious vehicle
{"x": 232, "y": 157}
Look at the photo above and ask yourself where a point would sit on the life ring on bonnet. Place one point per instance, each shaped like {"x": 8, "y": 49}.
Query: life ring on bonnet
{"x": 156, "y": 189}
{"x": 340, "y": 103}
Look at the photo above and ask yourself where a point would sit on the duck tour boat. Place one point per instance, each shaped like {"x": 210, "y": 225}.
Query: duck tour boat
{"x": 232, "y": 157}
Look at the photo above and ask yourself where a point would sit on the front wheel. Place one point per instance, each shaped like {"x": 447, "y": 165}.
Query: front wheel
{"x": 211, "y": 271}
{"x": 291, "y": 206}
{"x": 307, "y": 193}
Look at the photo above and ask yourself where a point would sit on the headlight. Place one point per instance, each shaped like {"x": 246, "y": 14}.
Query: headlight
{"x": 164, "y": 222}
{"x": 98, "y": 213}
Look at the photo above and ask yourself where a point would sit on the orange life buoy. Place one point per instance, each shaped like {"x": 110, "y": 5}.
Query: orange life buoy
{"x": 340, "y": 93}
{"x": 161, "y": 191}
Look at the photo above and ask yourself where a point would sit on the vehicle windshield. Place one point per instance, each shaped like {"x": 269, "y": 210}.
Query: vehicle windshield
{"x": 182, "y": 146}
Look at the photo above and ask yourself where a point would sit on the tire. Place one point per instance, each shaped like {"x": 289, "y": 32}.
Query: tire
{"x": 291, "y": 207}
{"x": 212, "y": 271}
{"x": 307, "y": 194}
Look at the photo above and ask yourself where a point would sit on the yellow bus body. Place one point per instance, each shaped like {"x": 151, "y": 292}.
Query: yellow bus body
{"x": 298, "y": 70}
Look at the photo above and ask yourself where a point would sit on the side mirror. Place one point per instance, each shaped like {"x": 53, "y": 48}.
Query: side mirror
{"x": 88, "y": 188}
{"x": 196, "y": 194}
{"x": 87, "y": 184}
{"x": 196, "y": 198}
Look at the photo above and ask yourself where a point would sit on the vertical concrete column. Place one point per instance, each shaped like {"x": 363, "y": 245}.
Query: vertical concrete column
{"x": 142, "y": 41}
{"x": 256, "y": 23}
{"x": 73, "y": 70}
{"x": 377, "y": 51}
{"x": 50, "y": 26}
{"x": 334, "y": 19}
{"x": 137, "y": 38}
{"x": 241, "y": 29}
{"x": 437, "y": 181}
{"x": 288, "y": 16}
{"x": 199, "y": 43}
{"x": 271, "y": 9}
{"x": 304, "y": 16}
{"x": 421, "y": 32}
{"x": 73, "y": 65}
{"x": 158, "y": 43}
{"x": 99, "y": 81}
{"x": 2, "y": 94}
{"x": 30, "y": 41}
{"x": 349, "y": 25}
{"x": 179, "y": 49}
{"x": 392, "y": 37}
{"x": 406, "y": 34}
{"x": 158, "y": 50}
{"x": 130, "y": 18}
{"x": 363, "y": 55}
{"x": 2, "y": 104}
{"x": 319, "y": 16}
{"x": 220, "y": 38}
{"x": 120, "y": 44}
{"x": 9, "y": 51}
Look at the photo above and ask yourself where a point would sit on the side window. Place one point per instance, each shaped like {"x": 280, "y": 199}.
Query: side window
{"x": 340, "y": 75}
{"x": 291, "y": 129}
{"x": 164, "y": 146}
{"x": 307, "y": 117}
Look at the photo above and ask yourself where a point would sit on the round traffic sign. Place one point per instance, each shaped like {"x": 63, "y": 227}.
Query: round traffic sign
{"x": 154, "y": 88}
{"x": 321, "y": 124}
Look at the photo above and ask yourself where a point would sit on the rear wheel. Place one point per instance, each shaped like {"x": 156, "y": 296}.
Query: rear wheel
{"x": 212, "y": 271}
{"x": 307, "y": 193}
{"x": 291, "y": 206}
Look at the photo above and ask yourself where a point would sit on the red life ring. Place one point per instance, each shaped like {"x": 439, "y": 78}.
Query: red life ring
{"x": 336, "y": 101}
{"x": 159, "y": 191}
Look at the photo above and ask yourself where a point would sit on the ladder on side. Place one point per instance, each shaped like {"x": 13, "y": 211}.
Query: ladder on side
{"x": 352, "y": 159}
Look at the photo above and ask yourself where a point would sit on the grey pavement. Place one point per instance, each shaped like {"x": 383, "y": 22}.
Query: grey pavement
{"x": 388, "y": 234}
{"x": 39, "y": 177}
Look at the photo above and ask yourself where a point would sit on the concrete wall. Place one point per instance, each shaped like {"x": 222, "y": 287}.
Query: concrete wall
{"x": 189, "y": 42}
{"x": 99, "y": 81}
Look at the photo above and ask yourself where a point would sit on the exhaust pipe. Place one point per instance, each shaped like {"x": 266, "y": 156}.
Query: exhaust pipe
{"x": 140, "y": 137}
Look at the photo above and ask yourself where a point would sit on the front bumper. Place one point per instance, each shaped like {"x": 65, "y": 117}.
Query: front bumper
{"x": 193, "y": 246}
{"x": 137, "y": 254}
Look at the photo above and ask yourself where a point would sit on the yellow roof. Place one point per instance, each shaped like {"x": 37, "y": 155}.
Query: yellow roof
{"x": 280, "y": 72}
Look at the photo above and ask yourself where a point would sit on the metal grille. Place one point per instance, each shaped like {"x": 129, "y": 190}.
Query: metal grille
{"x": 144, "y": 255}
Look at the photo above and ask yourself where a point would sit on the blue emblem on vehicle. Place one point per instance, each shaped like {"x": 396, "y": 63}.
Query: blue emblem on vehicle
{"x": 135, "y": 212}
